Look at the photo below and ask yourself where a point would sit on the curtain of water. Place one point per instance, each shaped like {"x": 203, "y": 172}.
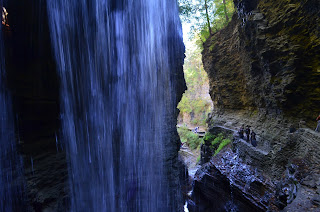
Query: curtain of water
{"x": 11, "y": 182}
{"x": 114, "y": 64}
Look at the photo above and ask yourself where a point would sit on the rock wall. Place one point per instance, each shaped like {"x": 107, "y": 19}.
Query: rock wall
{"x": 264, "y": 71}
{"x": 267, "y": 59}
{"x": 227, "y": 184}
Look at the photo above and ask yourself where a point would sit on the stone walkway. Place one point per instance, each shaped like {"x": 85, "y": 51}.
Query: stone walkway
{"x": 244, "y": 142}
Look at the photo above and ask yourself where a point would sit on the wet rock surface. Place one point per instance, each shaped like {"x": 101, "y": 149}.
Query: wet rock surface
{"x": 226, "y": 183}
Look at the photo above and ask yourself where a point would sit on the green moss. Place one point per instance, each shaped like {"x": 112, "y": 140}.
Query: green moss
{"x": 224, "y": 143}
{"x": 217, "y": 142}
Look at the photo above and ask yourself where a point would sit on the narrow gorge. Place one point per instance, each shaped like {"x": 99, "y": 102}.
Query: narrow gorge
{"x": 89, "y": 93}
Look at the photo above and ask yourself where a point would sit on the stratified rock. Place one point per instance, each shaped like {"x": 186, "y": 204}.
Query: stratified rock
{"x": 226, "y": 184}
{"x": 263, "y": 70}
{"x": 267, "y": 59}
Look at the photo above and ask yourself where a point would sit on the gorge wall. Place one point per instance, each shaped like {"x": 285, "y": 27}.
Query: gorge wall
{"x": 267, "y": 59}
{"x": 264, "y": 71}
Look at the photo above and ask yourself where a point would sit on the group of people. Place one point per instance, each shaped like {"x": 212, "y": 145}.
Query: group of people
{"x": 250, "y": 135}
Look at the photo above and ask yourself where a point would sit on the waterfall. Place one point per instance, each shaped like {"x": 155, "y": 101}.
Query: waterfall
{"x": 11, "y": 176}
{"x": 115, "y": 61}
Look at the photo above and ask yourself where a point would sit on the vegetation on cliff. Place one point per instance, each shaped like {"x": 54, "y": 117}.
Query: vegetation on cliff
{"x": 205, "y": 16}
{"x": 217, "y": 142}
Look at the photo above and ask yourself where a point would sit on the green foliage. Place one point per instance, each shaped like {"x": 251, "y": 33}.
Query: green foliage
{"x": 185, "y": 10}
{"x": 203, "y": 17}
{"x": 184, "y": 105}
{"x": 224, "y": 143}
{"x": 197, "y": 14}
{"x": 192, "y": 139}
{"x": 217, "y": 142}
{"x": 209, "y": 137}
{"x": 193, "y": 101}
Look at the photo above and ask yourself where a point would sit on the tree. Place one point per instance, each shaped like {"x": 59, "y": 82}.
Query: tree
{"x": 206, "y": 16}
{"x": 194, "y": 101}
{"x": 185, "y": 10}
{"x": 225, "y": 10}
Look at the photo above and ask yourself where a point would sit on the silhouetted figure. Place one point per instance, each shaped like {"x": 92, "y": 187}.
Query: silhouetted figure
{"x": 318, "y": 124}
{"x": 247, "y": 131}
{"x": 241, "y": 132}
{"x": 253, "y": 139}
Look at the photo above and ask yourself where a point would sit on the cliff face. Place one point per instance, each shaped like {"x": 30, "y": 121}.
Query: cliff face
{"x": 264, "y": 71}
{"x": 267, "y": 59}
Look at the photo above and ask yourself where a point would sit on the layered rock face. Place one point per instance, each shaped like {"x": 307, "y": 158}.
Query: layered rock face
{"x": 227, "y": 184}
{"x": 264, "y": 71}
{"x": 267, "y": 59}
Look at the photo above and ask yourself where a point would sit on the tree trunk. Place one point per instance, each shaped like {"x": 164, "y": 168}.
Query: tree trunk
{"x": 207, "y": 15}
{"x": 225, "y": 10}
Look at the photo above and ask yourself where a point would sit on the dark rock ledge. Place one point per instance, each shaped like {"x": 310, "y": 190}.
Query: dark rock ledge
{"x": 225, "y": 183}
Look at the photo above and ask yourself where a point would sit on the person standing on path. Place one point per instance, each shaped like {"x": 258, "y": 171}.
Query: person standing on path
{"x": 318, "y": 124}
{"x": 253, "y": 138}
{"x": 247, "y": 131}
{"x": 241, "y": 131}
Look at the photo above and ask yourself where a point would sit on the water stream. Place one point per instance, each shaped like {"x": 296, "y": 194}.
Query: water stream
{"x": 115, "y": 61}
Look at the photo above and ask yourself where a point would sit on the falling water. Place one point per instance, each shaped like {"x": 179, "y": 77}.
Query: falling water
{"x": 115, "y": 61}
{"x": 11, "y": 183}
